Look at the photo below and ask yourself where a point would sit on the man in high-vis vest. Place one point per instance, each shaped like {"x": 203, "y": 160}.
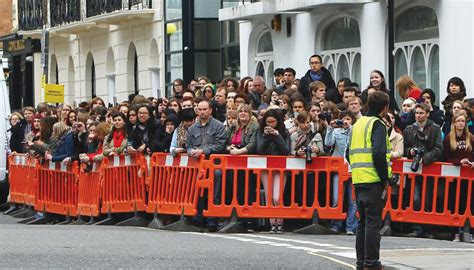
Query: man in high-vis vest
{"x": 369, "y": 157}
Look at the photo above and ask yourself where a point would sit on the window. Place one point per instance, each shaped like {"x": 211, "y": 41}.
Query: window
{"x": 417, "y": 47}
{"x": 341, "y": 49}
{"x": 265, "y": 43}
{"x": 264, "y": 57}
{"x": 230, "y": 49}
{"x": 90, "y": 77}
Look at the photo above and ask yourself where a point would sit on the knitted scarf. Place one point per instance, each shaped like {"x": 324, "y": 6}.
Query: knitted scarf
{"x": 181, "y": 136}
{"x": 448, "y": 101}
{"x": 118, "y": 137}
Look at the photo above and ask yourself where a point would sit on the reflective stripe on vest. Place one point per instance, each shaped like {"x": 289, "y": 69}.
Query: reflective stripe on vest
{"x": 360, "y": 152}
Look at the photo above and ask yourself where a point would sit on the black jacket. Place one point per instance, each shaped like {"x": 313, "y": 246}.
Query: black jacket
{"x": 17, "y": 136}
{"x": 273, "y": 145}
{"x": 326, "y": 78}
{"x": 436, "y": 115}
{"x": 429, "y": 139}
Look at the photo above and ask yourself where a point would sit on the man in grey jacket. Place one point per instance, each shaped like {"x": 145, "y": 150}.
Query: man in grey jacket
{"x": 207, "y": 136}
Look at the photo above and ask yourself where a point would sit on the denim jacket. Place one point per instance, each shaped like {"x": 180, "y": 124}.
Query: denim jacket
{"x": 339, "y": 138}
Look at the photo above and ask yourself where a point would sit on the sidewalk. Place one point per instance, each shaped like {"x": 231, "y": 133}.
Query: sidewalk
{"x": 436, "y": 258}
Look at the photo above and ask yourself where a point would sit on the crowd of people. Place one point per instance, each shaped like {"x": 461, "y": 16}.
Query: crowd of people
{"x": 311, "y": 116}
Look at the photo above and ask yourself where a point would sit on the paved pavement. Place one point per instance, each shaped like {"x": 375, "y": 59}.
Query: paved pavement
{"x": 70, "y": 246}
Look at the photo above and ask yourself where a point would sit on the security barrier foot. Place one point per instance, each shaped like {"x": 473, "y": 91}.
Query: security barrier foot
{"x": 92, "y": 221}
{"x": 19, "y": 212}
{"x": 10, "y": 210}
{"x": 67, "y": 221}
{"x": 107, "y": 221}
{"x": 39, "y": 220}
{"x": 234, "y": 226}
{"x": 79, "y": 221}
{"x": 135, "y": 221}
{"x": 156, "y": 223}
{"x": 466, "y": 233}
{"x": 315, "y": 228}
{"x": 182, "y": 226}
{"x": 26, "y": 220}
{"x": 24, "y": 214}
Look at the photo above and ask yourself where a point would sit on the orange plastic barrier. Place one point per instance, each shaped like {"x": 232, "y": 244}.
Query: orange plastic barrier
{"x": 22, "y": 176}
{"x": 57, "y": 188}
{"x": 445, "y": 194}
{"x": 123, "y": 187}
{"x": 90, "y": 190}
{"x": 308, "y": 183}
{"x": 173, "y": 181}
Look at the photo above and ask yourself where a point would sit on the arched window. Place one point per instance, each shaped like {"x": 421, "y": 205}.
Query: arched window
{"x": 110, "y": 75}
{"x": 417, "y": 47}
{"x": 264, "y": 57}
{"x": 265, "y": 43}
{"x": 341, "y": 49}
{"x": 132, "y": 69}
{"x": 54, "y": 70}
{"x": 71, "y": 78}
{"x": 90, "y": 77}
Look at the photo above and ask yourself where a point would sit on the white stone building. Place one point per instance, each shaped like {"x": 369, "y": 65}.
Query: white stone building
{"x": 110, "y": 49}
{"x": 433, "y": 38}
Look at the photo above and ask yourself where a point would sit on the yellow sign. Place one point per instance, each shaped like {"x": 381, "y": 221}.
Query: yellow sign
{"x": 54, "y": 93}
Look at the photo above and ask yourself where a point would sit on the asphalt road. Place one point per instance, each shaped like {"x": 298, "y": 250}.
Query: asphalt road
{"x": 73, "y": 246}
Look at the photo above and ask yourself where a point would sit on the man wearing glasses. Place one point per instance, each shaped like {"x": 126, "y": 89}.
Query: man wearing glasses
{"x": 316, "y": 73}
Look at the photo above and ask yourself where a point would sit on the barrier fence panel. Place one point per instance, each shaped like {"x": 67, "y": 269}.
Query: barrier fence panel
{"x": 57, "y": 188}
{"x": 173, "y": 184}
{"x": 90, "y": 190}
{"x": 22, "y": 176}
{"x": 234, "y": 182}
{"x": 123, "y": 184}
{"x": 436, "y": 194}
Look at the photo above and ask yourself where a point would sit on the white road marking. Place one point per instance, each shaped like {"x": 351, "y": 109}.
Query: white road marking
{"x": 290, "y": 240}
{"x": 333, "y": 260}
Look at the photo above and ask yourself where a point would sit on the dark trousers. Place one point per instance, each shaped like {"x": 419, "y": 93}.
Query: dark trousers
{"x": 370, "y": 205}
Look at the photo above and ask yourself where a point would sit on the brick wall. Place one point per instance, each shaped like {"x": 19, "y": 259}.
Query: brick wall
{"x": 5, "y": 18}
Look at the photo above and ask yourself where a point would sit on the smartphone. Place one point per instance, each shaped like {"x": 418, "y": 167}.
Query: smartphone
{"x": 339, "y": 122}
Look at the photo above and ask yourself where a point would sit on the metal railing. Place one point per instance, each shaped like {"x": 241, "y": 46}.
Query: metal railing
{"x": 98, "y": 7}
{"x": 64, "y": 11}
{"x": 30, "y": 14}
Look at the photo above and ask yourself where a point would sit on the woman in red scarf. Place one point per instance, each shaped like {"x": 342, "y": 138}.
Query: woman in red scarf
{"x": 116, "y": 142}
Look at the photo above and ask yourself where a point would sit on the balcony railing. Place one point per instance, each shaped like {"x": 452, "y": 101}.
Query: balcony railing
{"x": 64, "y": 11}
{"x": 30, "y": 14}
{"x": 98, "y": 7}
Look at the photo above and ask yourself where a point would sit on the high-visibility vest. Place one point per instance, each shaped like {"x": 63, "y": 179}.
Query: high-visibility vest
{"x": 360, "y": 152}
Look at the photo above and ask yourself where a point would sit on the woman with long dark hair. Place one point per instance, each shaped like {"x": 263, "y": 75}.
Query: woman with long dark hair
{"x": 144, "y": 129}
{"x": 273, "y": 139}
{"x": 377, "y": 82}
{"x": 117, "y": 140}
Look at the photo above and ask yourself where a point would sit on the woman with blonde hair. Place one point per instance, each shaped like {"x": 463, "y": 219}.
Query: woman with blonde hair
{"x": 459, "y": 141}
{"x": 407, "y": 88}
{"x": 62, "y": 143}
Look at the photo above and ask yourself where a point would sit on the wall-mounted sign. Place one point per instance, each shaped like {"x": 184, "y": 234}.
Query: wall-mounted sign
{"x": 54, "y": 93}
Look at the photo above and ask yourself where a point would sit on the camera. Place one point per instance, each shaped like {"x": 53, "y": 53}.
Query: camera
{"x": 325, "y": 116}
{"x": 307, "y": 152}
{"x": 339, "y": 122}
{"x": 415, "y": 165}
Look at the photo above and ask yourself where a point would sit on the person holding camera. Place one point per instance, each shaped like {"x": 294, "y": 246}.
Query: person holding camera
{"x": 369, "y": 158}
{"x": 423, "y": 144}
{"x": 337, "y": 136}
{"x": 307, "y": 144}
{"x": 273, "y": 139}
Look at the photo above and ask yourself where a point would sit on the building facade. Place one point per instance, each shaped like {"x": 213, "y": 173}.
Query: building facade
{"x": 105, "y": 48}
{"x": 432, "y": 38}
